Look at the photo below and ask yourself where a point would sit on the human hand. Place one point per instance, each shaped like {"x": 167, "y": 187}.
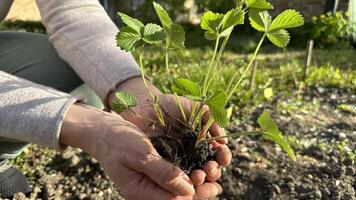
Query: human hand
{"x": 126, "y": 154}
{"x": 203, "y": 180}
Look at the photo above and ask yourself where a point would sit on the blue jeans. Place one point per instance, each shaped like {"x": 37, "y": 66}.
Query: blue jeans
{"x": 32, "y": 57}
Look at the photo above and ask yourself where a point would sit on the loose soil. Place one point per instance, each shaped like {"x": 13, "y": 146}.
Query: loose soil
{"x": 182, "y": 151}
{"x": 323, "y": 136}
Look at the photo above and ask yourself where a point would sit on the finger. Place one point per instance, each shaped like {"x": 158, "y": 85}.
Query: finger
{"x": 198, "y": 177}
{"x": 166, "y": 175}
{"x": 208, "y": 190}
{"x": 212, "y": 170}
{"x": 134, "y": 185}
{"x": 223, "y": 155}
{"x": 143, "y": 188}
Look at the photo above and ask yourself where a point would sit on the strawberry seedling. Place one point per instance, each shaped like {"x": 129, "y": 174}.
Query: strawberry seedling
{"x": 191, "y": 150}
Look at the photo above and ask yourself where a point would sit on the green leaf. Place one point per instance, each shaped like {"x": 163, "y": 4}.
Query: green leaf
{"x": 133, "y": 23}
{"x": 260, "y": 20}
{"x": 176, "y": 37}
{"x": 211, "y": 21}
{"x": 163, "y": 16}
{"x": 229, "y": 112}
{"x": 210, "y": 35}
{"x": 226, "y": 32}
{"x": 272, "y": 132}
{"x": 280, "y": 38}
{"x": 216, "y": 103}
{"x": 287, "y": 19}
{"x": 259, "y": 4}
{"x": 153, "y": 34}
{"x": 233, "y": 18}
{"x": 186, "y": 87}
{"x": 123, "y": 101}
{"x": 268, "y": 93}
{"x": 175, "y": 32}
{"x": 128, "y": 39}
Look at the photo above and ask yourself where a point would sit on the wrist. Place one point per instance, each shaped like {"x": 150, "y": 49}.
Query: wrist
{"x": 137, "y": 87}
{"x": 81, "y": 127}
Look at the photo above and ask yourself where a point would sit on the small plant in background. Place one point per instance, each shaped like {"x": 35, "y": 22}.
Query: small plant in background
{"x": 332, "y": 30}
{"x": 218, "y": 28}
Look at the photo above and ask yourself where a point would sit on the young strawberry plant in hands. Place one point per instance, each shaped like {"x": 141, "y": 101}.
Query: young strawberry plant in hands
{"x": 190, "y": 148}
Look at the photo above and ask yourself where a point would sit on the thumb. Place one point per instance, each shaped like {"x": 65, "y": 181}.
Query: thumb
{"x": 167, "y": 175}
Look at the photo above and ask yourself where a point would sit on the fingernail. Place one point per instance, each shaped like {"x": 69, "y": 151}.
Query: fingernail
{"x": 186, "y": 178}
{"x": 214, "y": 170}
{"x": 220, "y": 190}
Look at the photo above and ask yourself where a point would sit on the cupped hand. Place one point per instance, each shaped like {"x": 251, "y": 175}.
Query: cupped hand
{"x": 126, "y": 154}
{"x": 203, "y": 180}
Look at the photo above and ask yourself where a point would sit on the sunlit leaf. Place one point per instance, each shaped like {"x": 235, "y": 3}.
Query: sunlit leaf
{"x": 133, "y": 23}
{"x": 153, "y": 34}
{"x": 272, "y": 132}
{"x": 123, "y": 101}
{"x": 211, "y": 22}
{"x": 175, "y": 32}
{"x": 233, "y": 18}
{"x": 163, "y": 16}
{"x": 260, "y": 20}
{"x": 186, "y": 87}
{"x": 280, "y": 38}
{"x": 268, "y": 93}
{"x": 128, "y": 39}
{"x": 176, "y": 37}
{"x": 216, "y": 103}
{"x": 259, "y": 4}
{"x": 287, "y": 19}
{"x": 229, "y": 112}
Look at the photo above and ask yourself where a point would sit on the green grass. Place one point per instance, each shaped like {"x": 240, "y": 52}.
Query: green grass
{"x": 281, "y": 71}
{"x": 22, "y": 26}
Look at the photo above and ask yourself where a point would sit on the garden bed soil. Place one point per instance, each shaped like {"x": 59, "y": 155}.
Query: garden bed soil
{"x": 323, "y": 136}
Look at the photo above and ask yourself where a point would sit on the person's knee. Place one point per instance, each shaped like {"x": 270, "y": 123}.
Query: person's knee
{"x": 31, "y": 56}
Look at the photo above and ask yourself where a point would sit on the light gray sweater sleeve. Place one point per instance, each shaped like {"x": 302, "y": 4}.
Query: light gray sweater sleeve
{"x": 84, "y": 36}
{"x": 30, "y": 112}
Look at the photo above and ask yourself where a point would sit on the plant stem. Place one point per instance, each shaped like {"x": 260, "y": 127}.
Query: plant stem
{"x": 231, "y": 80}
{"x": 205, "y": 85}
{"x": 197, "y": 118}
{"x": 202, "y": 134}
{"x": 196, "y": 114}
{"x": 159, "y": 113}
{"x": 156, "y": 106}
{"x": 167, "y": 59}
{"x": 221, "y": 50}
{"x": 248, "y": 67}
{"x": 180, "y": 107}
{"x": 140, "y": 116}
{"x": 192, "y": 114}
{"x": 143, "y": 75}
{"x": 235, "y": 135}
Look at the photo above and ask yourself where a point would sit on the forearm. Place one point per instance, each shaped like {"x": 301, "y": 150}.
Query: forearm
{"x": 84, "y": 36}
{"x": 30, "y": 112}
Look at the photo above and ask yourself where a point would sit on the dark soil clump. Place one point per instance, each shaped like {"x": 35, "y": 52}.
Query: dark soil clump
{"x": 182, "y": 151}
